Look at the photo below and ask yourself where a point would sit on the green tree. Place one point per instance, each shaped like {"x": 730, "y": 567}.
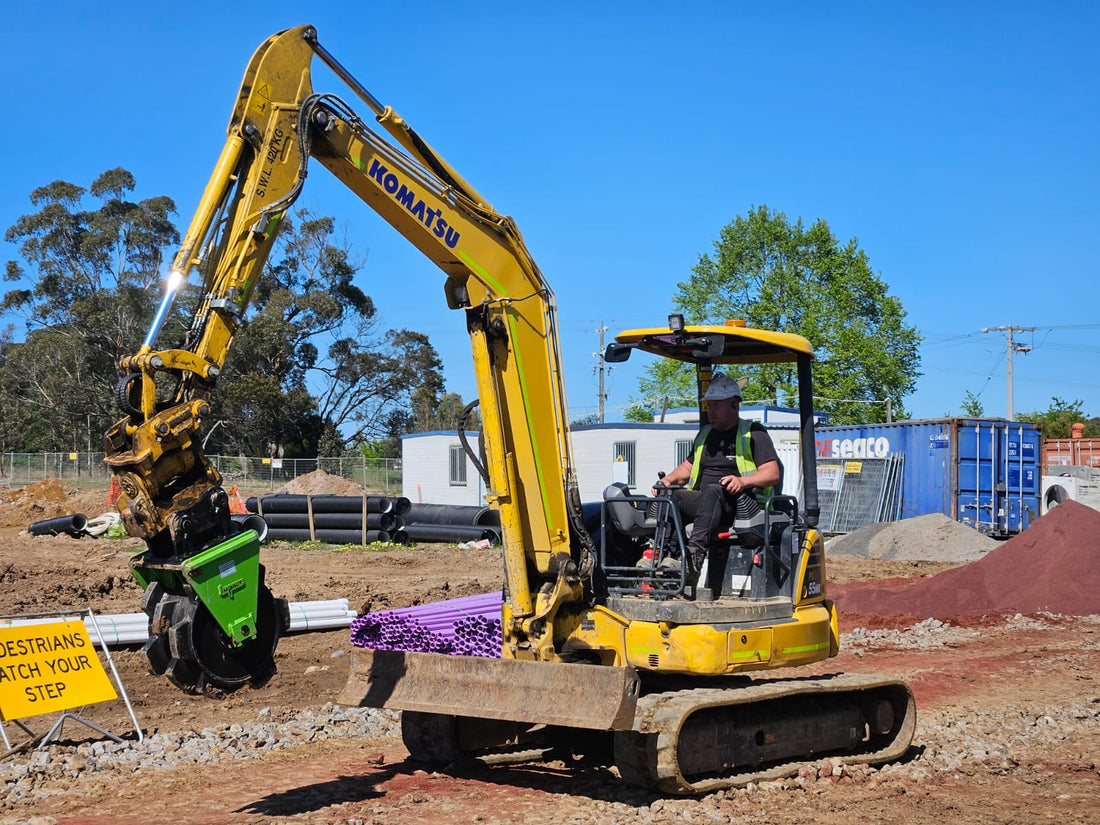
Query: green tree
{"x": 972, "y": 405}
{"x": 785, "y": 276}
{"x": 449, "y": 414}
{"x": 1058, "y": 419}
{"x": 311, "y": 370}
{"x": 313, "y": 367}
{"x": 85, "y": 284}
{"x": 639, "y": 413}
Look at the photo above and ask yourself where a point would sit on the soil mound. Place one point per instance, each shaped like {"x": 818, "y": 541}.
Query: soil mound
{"x": 933, "y": 537}
{"x": 321, "y": 483}
{"x": 51, "y": 497}
{"x": 1053, "y": 566}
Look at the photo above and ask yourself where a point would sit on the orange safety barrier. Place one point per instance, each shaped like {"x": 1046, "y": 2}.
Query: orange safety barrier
{"x": 236, "y": 503}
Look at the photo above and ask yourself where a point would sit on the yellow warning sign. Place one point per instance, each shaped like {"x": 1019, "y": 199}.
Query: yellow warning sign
{"x": 49, "y": 667}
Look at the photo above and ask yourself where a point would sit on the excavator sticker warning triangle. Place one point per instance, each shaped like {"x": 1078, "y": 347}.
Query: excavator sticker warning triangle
{"x": 262, "y": 99}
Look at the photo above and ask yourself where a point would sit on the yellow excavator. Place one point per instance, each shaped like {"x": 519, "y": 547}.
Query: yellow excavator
{"x": 606, "y": 652}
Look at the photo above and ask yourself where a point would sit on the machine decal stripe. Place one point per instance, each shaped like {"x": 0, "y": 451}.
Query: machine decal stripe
{"x": 481, "y": 273}
{"x": 749, "y": 654}
{"x": 531, "y": 417}
{"x": 805, "y": 648}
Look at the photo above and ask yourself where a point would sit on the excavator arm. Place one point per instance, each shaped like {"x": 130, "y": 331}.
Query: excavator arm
{"x": 172, "y": 495}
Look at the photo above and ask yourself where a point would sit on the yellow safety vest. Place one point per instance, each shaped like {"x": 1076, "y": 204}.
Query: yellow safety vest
{"x": 743, "y": 448}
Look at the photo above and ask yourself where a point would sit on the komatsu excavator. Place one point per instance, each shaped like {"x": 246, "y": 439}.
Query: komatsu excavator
{"x": 605, "y": 651}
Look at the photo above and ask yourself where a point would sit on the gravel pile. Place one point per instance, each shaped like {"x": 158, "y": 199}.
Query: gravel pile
{"x": 41, "y": 773}
{"x": 927, "y": 635}
{"x": 933, "y": 537}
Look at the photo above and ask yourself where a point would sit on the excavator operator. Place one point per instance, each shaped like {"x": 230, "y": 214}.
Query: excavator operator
{"x": 726, "y": 478}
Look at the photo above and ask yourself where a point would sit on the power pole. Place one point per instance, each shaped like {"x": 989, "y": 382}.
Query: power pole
{"x": 601, "y": 368}
{"x": 1013, "y": 347}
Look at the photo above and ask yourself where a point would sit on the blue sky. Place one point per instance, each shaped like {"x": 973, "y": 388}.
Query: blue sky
{"x": 958, "y": 142}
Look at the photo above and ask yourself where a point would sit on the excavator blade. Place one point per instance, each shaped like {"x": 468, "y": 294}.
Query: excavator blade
{"x": 571, "y": 695}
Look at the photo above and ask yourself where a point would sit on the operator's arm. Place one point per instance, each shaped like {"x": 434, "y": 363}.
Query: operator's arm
{"x": 766, "y": 474}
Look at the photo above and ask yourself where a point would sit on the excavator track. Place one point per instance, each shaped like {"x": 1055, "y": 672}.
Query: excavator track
{"x": 701, "y": 740}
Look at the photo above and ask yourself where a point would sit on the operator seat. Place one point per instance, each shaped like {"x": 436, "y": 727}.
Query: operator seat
{"x": 625, "y": 517}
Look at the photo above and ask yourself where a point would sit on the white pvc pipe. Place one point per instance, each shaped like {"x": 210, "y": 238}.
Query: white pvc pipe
{"x": 133, "y": 628}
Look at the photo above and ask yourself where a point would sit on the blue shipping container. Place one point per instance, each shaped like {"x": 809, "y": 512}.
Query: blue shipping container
{"x": 981, "y": 472}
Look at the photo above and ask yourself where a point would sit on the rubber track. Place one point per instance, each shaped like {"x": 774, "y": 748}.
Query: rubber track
{"x": 647, "y": 755}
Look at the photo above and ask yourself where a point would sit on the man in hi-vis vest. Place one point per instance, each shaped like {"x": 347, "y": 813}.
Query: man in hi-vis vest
{"x": 727, "y": 476}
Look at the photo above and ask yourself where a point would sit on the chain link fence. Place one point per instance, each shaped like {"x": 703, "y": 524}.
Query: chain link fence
{"x": 376, "y": 475}
{"x": 856, "y": 492}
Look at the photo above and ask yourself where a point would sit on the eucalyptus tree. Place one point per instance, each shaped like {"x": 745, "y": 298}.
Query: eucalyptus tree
{"x": 88, "y": 267}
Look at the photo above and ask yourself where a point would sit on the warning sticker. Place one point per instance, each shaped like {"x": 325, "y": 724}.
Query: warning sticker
{"x": 49, "y": 667}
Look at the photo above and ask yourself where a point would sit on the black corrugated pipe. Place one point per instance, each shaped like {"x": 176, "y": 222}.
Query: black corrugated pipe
{"x": 445, "y": 514}
{"x": 72, "y": 525}
{"x": 488, "y": 517}
{"x": 451, "y": 532}
{"x": 328, "y": 536}
{"x": 287, "y": 503}
{"x": 249, "y": 521}
{"x": 332, "y": 521}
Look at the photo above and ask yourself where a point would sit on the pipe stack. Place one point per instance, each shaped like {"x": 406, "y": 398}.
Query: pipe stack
{"x": 332, "y": 519}
{"x": 368, "y": 519}
{"x": 453, "y": 522}
{"x": 469, "y": 626}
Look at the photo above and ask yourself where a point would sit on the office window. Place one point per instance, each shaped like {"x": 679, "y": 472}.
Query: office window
{"x": 682, "y": 450}
{"x": 626, "y": 451}
{"x": 458, "y": 466}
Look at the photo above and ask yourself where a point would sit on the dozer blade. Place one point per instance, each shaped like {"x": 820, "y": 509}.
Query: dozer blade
{"x": 572, "y": 695}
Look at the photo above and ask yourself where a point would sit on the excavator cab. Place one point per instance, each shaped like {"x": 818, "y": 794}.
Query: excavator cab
{"x": 643, "y": 537}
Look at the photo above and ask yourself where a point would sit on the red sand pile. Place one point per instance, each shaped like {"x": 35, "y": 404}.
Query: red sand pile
{"x": 1052, "y": 566}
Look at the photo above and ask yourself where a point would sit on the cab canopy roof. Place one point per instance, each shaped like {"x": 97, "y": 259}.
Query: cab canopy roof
{"x": 729, "y": 343}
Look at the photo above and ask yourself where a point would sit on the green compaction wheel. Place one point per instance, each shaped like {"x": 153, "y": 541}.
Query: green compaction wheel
{"x": 213, "y": 624}
{"x": 187, "y": 645}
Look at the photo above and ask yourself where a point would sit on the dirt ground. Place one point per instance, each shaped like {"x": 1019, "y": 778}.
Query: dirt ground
{"x": 1051, "y": 662}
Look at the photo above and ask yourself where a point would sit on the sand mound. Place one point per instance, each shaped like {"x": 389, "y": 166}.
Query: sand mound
{"x": 934, "y": 537}
{"x": 321, "y": 483}
{"x": 1052, "y": 566}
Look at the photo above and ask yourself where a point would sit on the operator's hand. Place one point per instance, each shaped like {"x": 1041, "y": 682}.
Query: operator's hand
{"x": 733, "y": 484}
{"x": 658, "y": 488}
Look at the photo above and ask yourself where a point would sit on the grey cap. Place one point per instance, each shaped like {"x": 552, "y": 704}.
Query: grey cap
{"x": 722, "y": 387}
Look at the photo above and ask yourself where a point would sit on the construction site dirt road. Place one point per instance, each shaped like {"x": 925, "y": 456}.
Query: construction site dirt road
{"x": 1008, "y": 700}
